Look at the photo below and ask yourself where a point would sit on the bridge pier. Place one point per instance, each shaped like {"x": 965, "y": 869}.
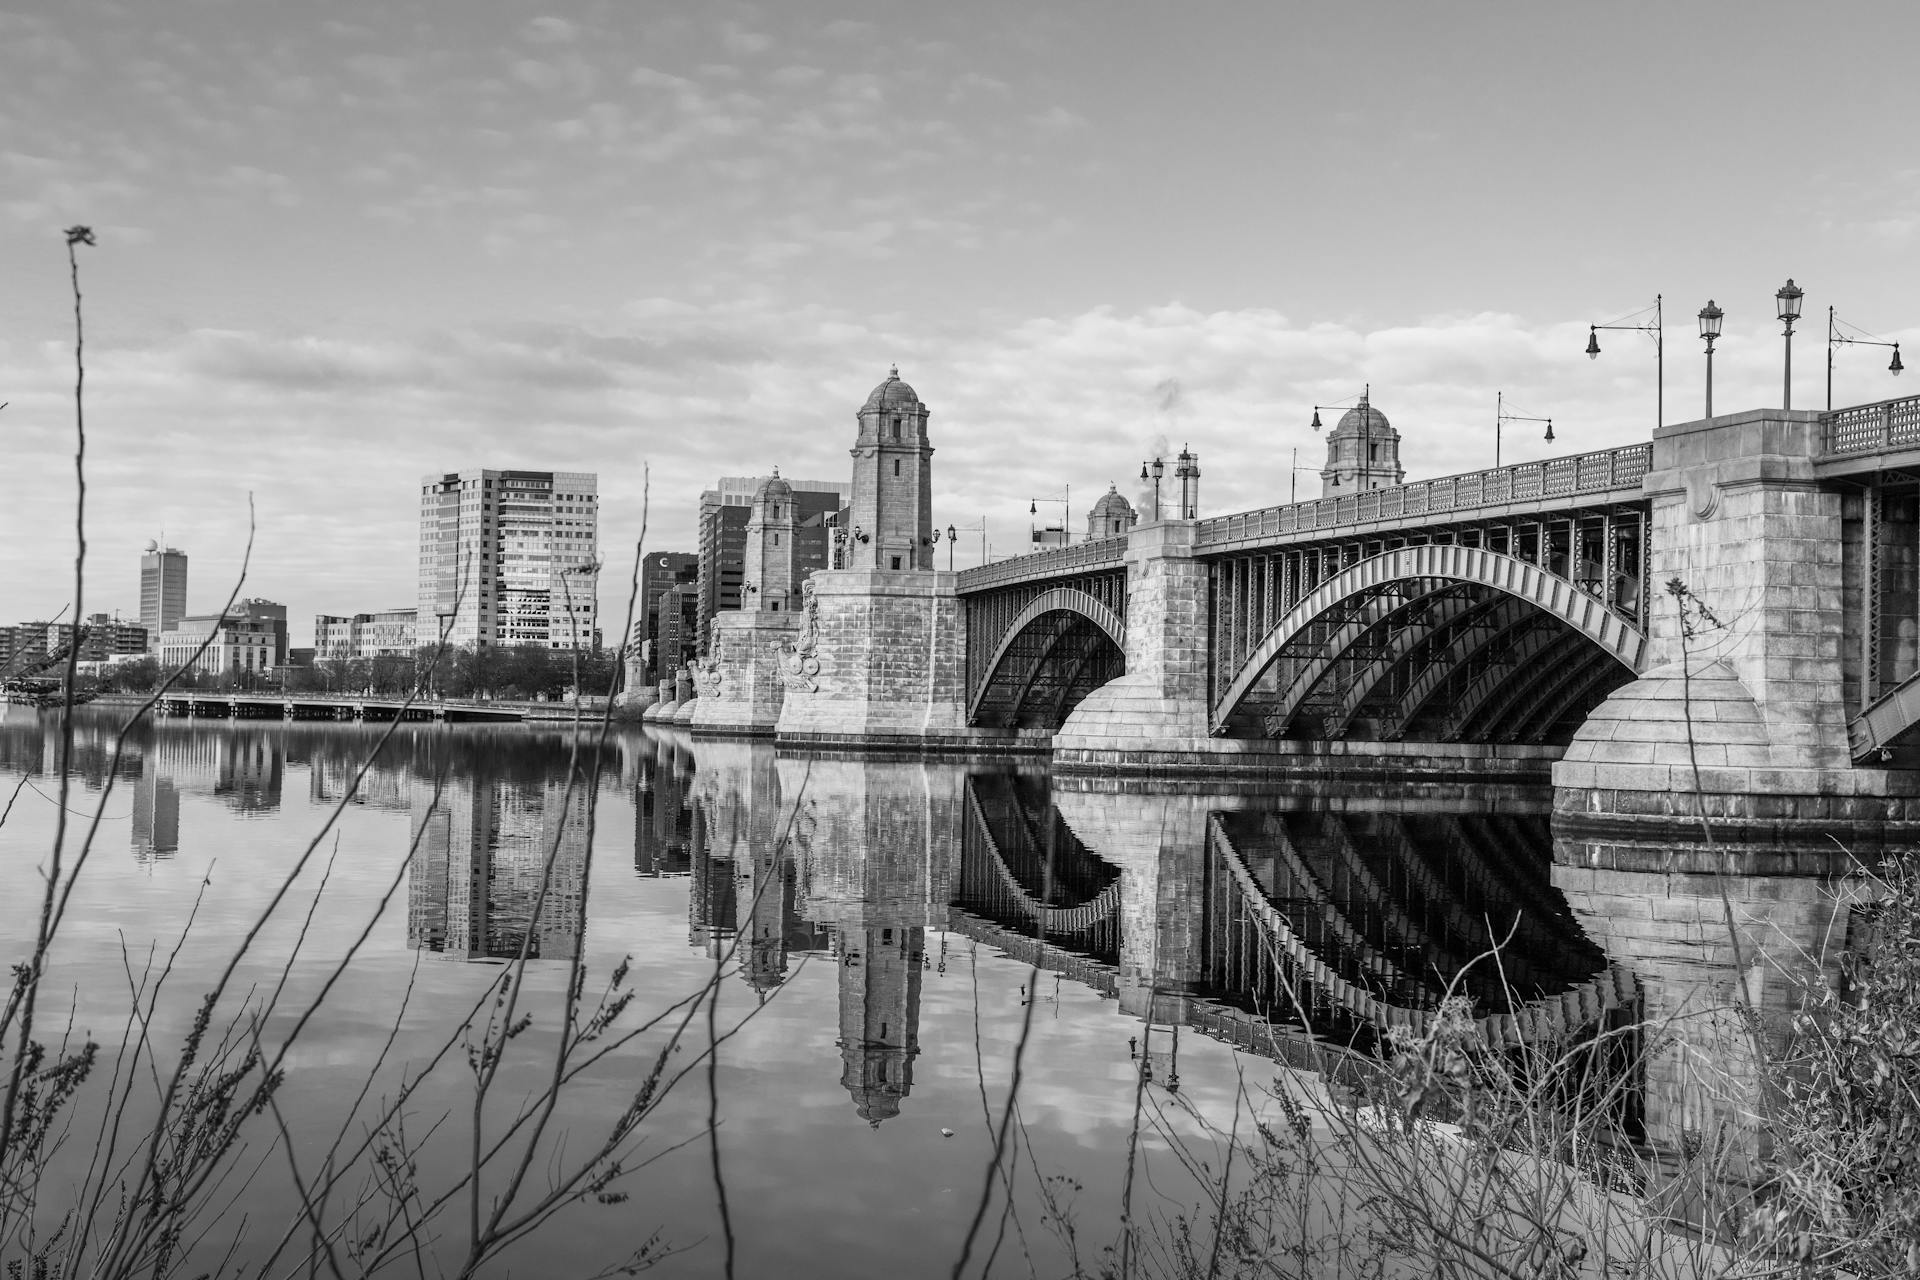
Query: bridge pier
{"x": 1159, "y": 707}
{"x": 741, "y": 690}
{"x": 1739, "y": 713}
{"x": 879, "y": 660}
{"x": 1159, "y": 842}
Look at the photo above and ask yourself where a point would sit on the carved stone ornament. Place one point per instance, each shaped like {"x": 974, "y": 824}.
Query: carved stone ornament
{"x": 794, "y": 658}
{"x": 708, "y": 676}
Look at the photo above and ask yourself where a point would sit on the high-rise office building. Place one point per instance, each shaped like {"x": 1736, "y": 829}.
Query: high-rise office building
{"x": 723, "y": 537}
{"x": 163, "y": 590}
{"x": 509, "y": 557}
{"x": 661, "y": 573}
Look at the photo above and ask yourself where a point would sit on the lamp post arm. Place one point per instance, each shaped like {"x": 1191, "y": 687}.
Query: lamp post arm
{"x": 1655, "y": 329}
{"x": 1836, "y": 338}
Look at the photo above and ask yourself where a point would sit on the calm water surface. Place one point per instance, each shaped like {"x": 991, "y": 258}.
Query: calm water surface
{"x": 889, "y": 929}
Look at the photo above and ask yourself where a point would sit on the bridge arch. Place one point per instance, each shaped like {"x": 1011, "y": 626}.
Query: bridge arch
{"x": 1394, "y": 579}
{"x": 1062, "y": 633}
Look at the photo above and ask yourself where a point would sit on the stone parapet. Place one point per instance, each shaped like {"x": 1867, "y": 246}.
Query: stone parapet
{"x": 741, "y": 686}
{"x": 879, "y": 654}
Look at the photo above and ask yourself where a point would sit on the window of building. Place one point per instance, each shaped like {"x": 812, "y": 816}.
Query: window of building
{"x": 896, "y": 466}
{"x": 896, "y": 562}
{"x": 896, "y": 428}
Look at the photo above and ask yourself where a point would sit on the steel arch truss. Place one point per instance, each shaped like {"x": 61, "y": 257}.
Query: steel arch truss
{"x": 1439, "y": 641}
{"x": 1063, "y": 643}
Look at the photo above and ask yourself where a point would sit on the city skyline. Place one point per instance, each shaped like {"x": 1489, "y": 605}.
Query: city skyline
{"x": 1187, "y": 233}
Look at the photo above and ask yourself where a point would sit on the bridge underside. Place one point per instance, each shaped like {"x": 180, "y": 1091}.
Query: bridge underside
{"x": 1045, "y": 669}
{"x": 1024, "y": 869}
{"x": 1430, "y": 660}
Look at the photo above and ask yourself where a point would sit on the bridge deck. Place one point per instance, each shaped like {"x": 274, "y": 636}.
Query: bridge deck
{"x": 1527, "y": 488}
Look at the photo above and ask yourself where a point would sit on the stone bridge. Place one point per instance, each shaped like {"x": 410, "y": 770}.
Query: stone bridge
{"x": 1519, "y": 615}
{"x": 1389, "y": 613}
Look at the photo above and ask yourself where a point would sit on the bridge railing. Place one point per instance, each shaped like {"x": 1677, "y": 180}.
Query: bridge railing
{"x": 1583, "y": 473}
{"x": 1098, "y": 553}
{"x": 1864, "y": 428}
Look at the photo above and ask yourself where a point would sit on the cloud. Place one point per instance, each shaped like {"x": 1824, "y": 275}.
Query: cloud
{"x": 550, "y": 30}
{"x": 246, "y": 180}
{"x": 741, "y": 41}
{"x": 566, "y": 73}
{"x": 1057, "y": 122}
{"x": 795, "y": 77}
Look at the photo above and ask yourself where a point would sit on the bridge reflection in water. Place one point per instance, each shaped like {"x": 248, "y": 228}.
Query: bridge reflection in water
{"x": 1288, "y": 926}
{"x": 1296, "y": 927}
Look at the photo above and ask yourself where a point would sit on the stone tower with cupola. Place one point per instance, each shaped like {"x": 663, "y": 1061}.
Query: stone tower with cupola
{"x": 1111, "y": 516}
{"x": 768, "y": 573}
{"x": 892, "y": 482}
{"x": 882, "y": 653}
{"x": 1363, "y": 452}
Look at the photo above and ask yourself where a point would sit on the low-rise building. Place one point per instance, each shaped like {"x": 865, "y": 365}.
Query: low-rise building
{"x": 267, "y": 611}
{"x": 230, "y": 644}
{"x": 103, "y": 638}
{"x": 368, "y": 635}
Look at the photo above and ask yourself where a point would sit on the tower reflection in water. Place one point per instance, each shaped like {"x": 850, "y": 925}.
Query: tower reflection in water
{"x": 836, "y": 859}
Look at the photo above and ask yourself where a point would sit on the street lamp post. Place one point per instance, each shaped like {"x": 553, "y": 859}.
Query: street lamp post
{"x": 1655, "y": 329}
{"x": 1501, "y": 417}
{"x": 1158, "y": 468}
{"x": 1710, "y": 318}
{"x": 1834, "y": 336}
{"x": 1366, "y": 429}
{"x": 952, "y": 536}
{"x": 1293, "y": 476}
{"x": 1066, "y": 512}
{"x": 1188, "y": 473}
{"x": 1787, "y": 304}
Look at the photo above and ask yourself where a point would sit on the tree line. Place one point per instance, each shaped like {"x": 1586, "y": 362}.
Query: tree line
{"x": 522, "y": 672}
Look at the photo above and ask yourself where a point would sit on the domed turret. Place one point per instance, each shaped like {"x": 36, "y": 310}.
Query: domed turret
{"x": 772, "y": 489}
{"x": 1112, "y": 515}
{"x": 893, "y": 392}
{"x": 1363, "y": 452}
{"x": 768, "y": 578}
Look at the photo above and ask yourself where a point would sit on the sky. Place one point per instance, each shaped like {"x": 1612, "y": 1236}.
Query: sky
{"x": 344, "y": 246}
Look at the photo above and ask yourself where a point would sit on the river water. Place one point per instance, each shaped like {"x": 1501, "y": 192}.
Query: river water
{"x": 895, "y": 940}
